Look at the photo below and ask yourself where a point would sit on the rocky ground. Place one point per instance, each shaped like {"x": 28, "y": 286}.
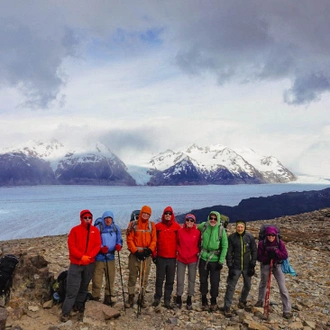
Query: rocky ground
{"x": 307, "y": 237}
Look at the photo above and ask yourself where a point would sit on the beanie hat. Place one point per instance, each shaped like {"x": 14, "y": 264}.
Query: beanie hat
{"x": 85, "y": 212}
{"x": 190, "y": 216}
{"x": 271, "y": 231}
{"x": 146, "y": 209}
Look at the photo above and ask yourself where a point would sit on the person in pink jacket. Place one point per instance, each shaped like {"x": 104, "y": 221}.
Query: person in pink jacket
{"x": 188, "y": 247}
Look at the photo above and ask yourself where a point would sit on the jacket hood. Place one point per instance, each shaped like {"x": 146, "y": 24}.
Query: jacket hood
{"x": 84, "y": 213}
{"x": 244, "y": 223}
{"x": 217, "y": 214}
{"x": 168, "y": 209}
{"x": 107, "y": 214}
{"x": 271, "y": 231}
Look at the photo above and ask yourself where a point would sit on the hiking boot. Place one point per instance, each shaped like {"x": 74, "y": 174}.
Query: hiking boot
{"x": 213, "y": 307}
{"x": 156, "y": 302}
{"x": 259, "y": 303}
{"x": 241, "y": 305}
{"x": 65, "y": 318}
{"x": 79, "y": 307}
{"x": 108, "y": 301}
{"x": 287, "y": 315}
{"x": 178, "y": 301}
{"x": 130, "y": 301}
{"x": 205, "y": 305}
{"x": 167, "y": 304}
{"x": 227, "y": 312}
{"x": 189, "y": 304}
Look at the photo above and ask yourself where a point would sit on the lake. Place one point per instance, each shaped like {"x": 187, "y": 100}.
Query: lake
{"x": 36, "y": 211}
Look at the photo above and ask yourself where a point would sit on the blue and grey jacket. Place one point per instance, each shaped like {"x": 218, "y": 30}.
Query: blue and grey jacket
{"x": 110, "y": 236}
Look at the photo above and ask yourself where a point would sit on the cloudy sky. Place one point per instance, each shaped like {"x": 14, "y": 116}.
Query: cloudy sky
{"x": 145, "y": 76}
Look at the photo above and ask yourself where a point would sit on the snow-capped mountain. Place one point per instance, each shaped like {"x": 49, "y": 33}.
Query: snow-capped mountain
{"x": 94, "y": 164}
{"x": 216, "y": 164}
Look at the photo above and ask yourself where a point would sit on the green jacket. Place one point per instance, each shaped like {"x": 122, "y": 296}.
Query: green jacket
{"x": 211, "y": 242}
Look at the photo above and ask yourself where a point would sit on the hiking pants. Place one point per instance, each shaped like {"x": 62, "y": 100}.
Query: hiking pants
{"x": 280, "y": 279}
{"x": 231, "y": 284}
{"x": 180, "y": 277}
{"x": 77, "y": 286}
{"x": 134, "y": 272}
{"x": 214, "y": 278}
{"x": 165, "y": 270}
{"x": 108, "y": 270}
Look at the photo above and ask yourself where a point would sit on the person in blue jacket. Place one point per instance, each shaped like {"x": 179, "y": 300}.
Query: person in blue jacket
{"x": 105, "y": 259}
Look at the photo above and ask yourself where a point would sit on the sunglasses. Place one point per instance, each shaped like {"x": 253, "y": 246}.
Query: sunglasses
{"x": 213, "y": 218}
{"x": 167, "y": 213}
{"x": 272, "y": 235}
{"x": 190, "y": 220}
{"x": 87, "y": 218}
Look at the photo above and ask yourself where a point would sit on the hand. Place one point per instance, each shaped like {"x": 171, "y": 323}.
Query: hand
{"x": 139, "y": 255}
{"x": 250, "y": 271}
{"x": 272, "y": 254}
{"x": 252, "y": 264}
{"x": 147, "y": 252}
{"x": 231, "y": 272}
{"x": 154, "y": 260}
{"x": 85, "y": 260}
{"x": 118, "y": 247}
{"x": 218, "y": 266}
{"x": 104, "y": 249}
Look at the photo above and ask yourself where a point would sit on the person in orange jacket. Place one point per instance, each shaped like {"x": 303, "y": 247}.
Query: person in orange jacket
{"x": 165, "y": 256}
{"x": 141, "y": 242}
{"x": 84, "y": 243}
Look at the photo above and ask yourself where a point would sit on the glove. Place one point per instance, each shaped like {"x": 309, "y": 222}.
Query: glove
{"x": 139, "y": 255}
{"x": 147, "y": 252}
{"x": 104, "y": 249}
{"x": 272, "y": 254}
{"x": 231, "y": 272}
{"x": 250, "y": 271}
{"x": 252, "y": 264}
{"x": 218, "y": 266}
{"x": 118, "y": 247}
{"x": 154, "y": 260}
{"x": 85, "y": 260}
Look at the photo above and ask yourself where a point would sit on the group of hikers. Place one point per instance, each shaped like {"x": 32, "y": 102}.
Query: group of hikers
{"x": 174, "y": 249}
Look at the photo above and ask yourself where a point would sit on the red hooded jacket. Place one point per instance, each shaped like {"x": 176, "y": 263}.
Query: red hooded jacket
{"x": 167, "y": 236}
{"x": 83, "y": 239}
{"x": 189, "y": 240}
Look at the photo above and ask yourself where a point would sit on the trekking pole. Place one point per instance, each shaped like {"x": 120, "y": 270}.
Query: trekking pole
{"x": 267, "y": 296}
{"x": 107, "y": 278}
{"x": 139, "y": 302}
{"x": 121, "y": 280}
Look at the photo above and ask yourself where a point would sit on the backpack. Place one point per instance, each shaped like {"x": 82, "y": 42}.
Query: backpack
{"x": 262, "y": 231}
{"x": 59, "y": 287}
{"x": 135, "y": 215}
{"x": 7, "y": 266}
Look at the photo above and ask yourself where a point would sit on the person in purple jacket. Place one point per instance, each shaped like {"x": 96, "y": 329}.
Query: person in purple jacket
{"x": 273, "y": 248}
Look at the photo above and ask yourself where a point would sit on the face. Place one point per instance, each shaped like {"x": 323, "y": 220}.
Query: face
{"x": 87, "y": 218}
{"x": 271, "y": 237}
{"x": 213, "y": 220}
{"x": 108, "y": 221}
{"x": 240, "y": 228}
{"x": 145, "y": 216}
{"x": 167, "y": 215}
{"x": 190, "y": 222}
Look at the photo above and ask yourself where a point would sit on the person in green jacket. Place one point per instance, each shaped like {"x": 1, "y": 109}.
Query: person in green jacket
{"x": 212, "y": 257}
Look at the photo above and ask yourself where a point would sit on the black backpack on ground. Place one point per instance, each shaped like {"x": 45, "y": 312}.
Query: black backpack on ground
{"x": 59, "y": 287}
{"x": 7, "y": 266}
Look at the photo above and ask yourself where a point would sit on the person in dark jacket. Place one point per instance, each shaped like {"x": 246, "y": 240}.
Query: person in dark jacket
{"x": 241, "y": 260}
{"x": 84, "y": 243}
{"x": 273, "y": 248}
{"x": 189, "y": 239}
{"x": 105, "y": 260}
{"x": 165, "y": 256}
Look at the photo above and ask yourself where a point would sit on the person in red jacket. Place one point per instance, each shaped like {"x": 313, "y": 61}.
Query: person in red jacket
{"x": 165, "y": 256}
{"x": 189, "y": 240}
{"x": 84, "y": 243}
